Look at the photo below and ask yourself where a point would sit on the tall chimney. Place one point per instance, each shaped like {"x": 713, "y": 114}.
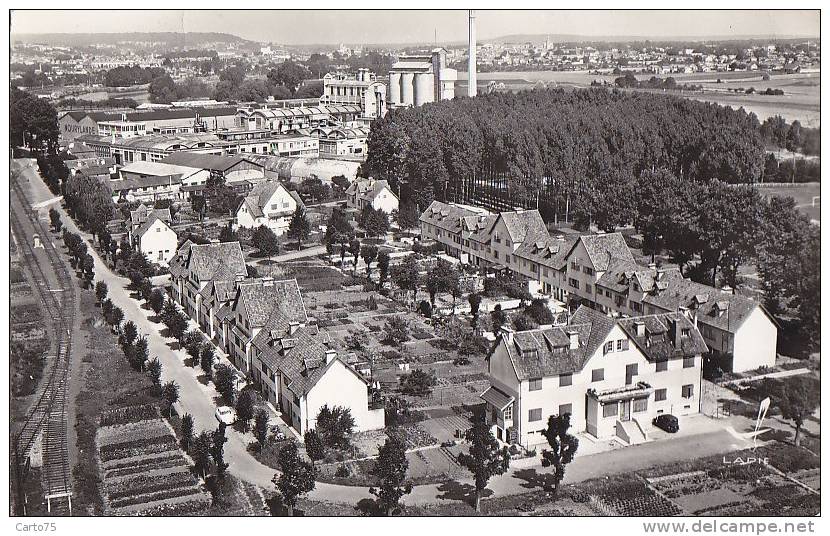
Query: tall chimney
{"x": 471, "y": 66}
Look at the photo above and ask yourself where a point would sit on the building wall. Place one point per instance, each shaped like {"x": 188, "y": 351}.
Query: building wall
{"x": 70, "y": 129}
{"x": 755, "y": 342}
{"x": 385, "y": 201}
{"x": 341, "y": 387}
{"x": 158, "y": 243}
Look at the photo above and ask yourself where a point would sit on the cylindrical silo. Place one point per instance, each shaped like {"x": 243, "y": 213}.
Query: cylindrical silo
{"x": 407, "y": 79}
{"x": 394, "y": 89}
{"x": 424, "y": 88}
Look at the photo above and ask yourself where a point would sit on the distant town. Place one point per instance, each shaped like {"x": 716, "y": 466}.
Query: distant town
{"x": 498, "y": 278}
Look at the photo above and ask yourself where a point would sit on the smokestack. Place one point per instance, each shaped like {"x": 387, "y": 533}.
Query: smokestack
{"x": 471, "y": 66}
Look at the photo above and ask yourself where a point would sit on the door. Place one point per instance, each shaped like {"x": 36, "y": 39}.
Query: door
{"x": 625, "y": 410}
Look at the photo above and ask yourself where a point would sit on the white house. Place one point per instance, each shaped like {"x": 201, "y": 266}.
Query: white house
{"x": 364, "y": 193}
{"x": 156, "y": 240}
{"x": 613, "y": 376}
{"x": 268, "y": 203}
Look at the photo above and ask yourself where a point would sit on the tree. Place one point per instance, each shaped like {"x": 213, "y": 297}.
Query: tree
{"x": 383, "y": 265}
{"x": 261, "y": 428}
{"x": 191, "y": 341}
{"x": 245, "y": 407}
{"x": 206, "y": 359}
{"x": 186, "y": 431}
{"x": 797, "y": 397}
{"x": 562, "y": 447}
{"x": 156, "y": 301}
{"x": 418, "y": 383}
{"x": 217, "y": 450}
{"x": 115, "y": 317}
{"x": 390, "y": 468}
{"x": 288, "y": 74}
{"x": 154, "y": 370}
{"x": 474, "y": 298}
{"x": 407, "y": 216}
{"x": 407, "y": 278}
{"x": 101, "y": 291}
{"x": 265, "y": 241}
{"x": 442, "y": 278}
{"x": 485, "y": 459}
{"x": 299, "y": 227}
{"x": 397, "y": 330}
{"x": 170, "y": 394}
{"x": 55, "y": 219}
{"x": 374, "y": 222}
{"x": 539, "y": 311}
{"x": 354, "y": 249}
{"x": 314, "y": 446}
{"x": 88, "y": 268}
{"x": 296, "y": 479}
{"x": 225, "y": 381}
{"x": 201, "y": 453}
{"x": 199, "y": 206}
{"x": 227, "y": 234}
{"x": 129, "y": 333}
{"x": 335, "y": 425}
{"x": 498, "y": 317}
{"x": 369, "y": 252}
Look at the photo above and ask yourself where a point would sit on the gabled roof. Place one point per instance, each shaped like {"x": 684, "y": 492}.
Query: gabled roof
{"x": 447, "y": 216}
{"x": 263, "y": 296}
{"x": 540, "y": 353}
{"x": 524, "y": 225}
{"x": 603, "y": 248}
{"x": 551, "y": 252}
{"x": 663, "y": 338}
{"x": 143, "y": 213}
{"x": 261, "y": 194}
{"x": 216, "y": 261}
{"x": 713, "y": 307}
{"x": 368, "y": 189}
{"x": 148, "y": 223}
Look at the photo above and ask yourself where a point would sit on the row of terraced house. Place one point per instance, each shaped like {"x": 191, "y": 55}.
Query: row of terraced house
{"x": 633, "y": 349}
{"x": 263, "y": 327}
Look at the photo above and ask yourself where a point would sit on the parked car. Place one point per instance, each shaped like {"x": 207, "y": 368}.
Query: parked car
{"x": 226, "y": 414}
{"x": 666, "y": 422}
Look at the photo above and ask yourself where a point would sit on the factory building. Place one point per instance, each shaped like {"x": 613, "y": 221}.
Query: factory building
{"x": 419, "y": 79}
{"x": 362, "y": 89}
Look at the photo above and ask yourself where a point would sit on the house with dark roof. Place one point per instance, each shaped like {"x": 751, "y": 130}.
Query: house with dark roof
{"x": 269, "y": 203}
{"x": 373, "y": 193}
{"x": 613, "y": 376}
{"x": 447, "y": 223}
{"x": 195, "y": 265}
{"x": 543, "y": 263}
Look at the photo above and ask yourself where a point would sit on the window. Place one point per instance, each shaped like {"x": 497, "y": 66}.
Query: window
{"x": 689, "y": 362}
{"x": 659, "y": 395}
{"x": 685, "y": 332}
{"x": 622, "y": 344}
{"x": 688, "y": 391}
{"x": 575, "y": 265}
{"x": 588, "y": 270}
{"x": 609, "y": 410}
{"x": 608, "y": 347}
{"x": 535, "y": 384}
{"x": 565, "y": 380}
{"x": 597, "y": 375}
{"x": 640, "y": 405}
{"x": 565, "y": 408}
{"x": 662, "y": 366}
{"x": 508, "y": 412}
{"x": 631, "y": 371}
{"x": 534, "y": 415}
{"x": 571, "y": 281}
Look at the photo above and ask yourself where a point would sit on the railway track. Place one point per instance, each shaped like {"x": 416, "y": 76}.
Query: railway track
{"x": 48, "y": 416}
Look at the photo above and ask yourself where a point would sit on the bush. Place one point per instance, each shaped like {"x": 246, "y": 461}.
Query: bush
{"x": 341, "y": 472}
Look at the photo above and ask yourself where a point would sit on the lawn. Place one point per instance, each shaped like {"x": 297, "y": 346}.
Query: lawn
{"x": 802, "y": 194}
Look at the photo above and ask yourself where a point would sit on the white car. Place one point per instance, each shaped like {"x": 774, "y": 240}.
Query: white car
{"x": 226, "y": 414}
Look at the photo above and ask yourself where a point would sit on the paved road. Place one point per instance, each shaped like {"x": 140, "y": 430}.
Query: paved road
{"x": 197, "y": 399}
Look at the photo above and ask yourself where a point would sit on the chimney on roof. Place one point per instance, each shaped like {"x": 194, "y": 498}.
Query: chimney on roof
{"x": 674, "y": 332}
{"x": 652, "y": 266}
{"x": 727, "y": 290}
{"x": 573, "y": 336}
{"x": 640, "y": 326}
{"x": 330, "y": 356}
{"x": 506, "y": 334}
{"x": 293, "y": 327}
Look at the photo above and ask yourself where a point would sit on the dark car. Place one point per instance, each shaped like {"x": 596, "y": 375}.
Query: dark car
{"x": 667, "y": 423}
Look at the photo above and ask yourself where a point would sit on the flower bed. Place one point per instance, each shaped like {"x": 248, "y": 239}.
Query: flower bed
{"x": 117, "y": 451}
{"x": 129, "y": 414}
{"x": 789, "y": 458}
{"x": 155, "y": 496}
{"x": 143, "y": 484}
{"x": 143, "y": 466}
{"x": 132, "y": 431}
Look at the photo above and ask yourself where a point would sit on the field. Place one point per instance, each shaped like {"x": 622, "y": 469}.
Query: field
{"x": 800, "y": 100}
{"x": 143, "y": 469}
{"x": 803, "y": 195}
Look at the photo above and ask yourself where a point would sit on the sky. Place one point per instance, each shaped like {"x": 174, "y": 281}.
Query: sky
{"x": 378, "y": 27}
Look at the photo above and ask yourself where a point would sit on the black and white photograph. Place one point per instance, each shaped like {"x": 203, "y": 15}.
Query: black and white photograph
{"x": 479, "y": 261}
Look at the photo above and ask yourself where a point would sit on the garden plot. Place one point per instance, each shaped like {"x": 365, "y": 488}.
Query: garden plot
{"x": 143, "y": 469}
{"x": 627, "y": 495}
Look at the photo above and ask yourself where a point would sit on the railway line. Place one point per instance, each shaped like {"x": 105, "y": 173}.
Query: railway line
{"x": 48, "y": 415}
